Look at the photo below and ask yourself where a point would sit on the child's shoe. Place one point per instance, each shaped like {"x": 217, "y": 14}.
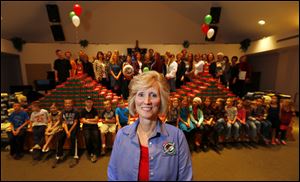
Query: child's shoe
{"x": 283, "y": 142}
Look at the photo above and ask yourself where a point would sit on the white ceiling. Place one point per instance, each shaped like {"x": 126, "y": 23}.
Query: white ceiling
{"x": 154, "y": 22}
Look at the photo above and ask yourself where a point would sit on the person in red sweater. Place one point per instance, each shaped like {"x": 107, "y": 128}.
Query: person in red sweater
{"x": 241, "y": 118}
{"x": 287, "y": 112}
{"x": 244, "y": 77}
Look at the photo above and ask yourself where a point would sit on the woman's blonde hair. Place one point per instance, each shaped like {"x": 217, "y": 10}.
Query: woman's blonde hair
{"x": 112, "y": 60}
{"x": 147, "y": 80}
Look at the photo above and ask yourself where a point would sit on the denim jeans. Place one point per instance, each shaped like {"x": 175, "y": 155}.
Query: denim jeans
{"x": 219, "y": 129}
{"x": 251, "y": 127}
{"x": 232, "y": 129}
{"x": 92, "y": 138}
{"x": 220, "y": 126}
{"x": 17, "y": 142}
{"x": 265, "y": 127}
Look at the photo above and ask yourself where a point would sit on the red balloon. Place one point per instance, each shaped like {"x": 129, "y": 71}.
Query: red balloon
{"x": 77, "y": 9}
{"x": 204, "y": 28}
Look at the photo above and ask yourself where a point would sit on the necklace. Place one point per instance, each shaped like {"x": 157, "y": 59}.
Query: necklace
{"x": 143, "y": 134}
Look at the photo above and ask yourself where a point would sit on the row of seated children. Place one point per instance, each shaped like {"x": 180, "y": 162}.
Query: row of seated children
{"x": 211, "y": 122}
{"x": 202, "y": 123}
{"x": 64, "y": 124}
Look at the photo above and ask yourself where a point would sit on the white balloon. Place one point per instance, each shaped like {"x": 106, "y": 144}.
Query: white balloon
{"x": 210, "y": 33}
{"x": 76, "y": 21}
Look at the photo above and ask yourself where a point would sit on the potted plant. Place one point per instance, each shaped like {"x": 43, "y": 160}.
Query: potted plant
{"x": 186, "y": 44}
{"x": 245, "y": 44}
{"x": 84, "y": 43}
{"x": 18, "y": 43}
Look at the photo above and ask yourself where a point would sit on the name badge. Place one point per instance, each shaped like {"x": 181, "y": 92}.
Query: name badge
{"x": 169, "y": 148}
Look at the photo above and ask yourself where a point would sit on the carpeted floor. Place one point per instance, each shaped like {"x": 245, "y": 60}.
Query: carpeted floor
{"x": 275, "y": 163}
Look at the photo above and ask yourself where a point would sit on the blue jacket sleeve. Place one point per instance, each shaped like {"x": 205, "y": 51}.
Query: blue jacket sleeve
{"x": 112, "y": 166}
{"x": 185, "y": 164}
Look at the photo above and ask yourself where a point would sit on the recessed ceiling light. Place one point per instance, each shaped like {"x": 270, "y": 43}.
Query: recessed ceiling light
{"x": 261, "y": 22}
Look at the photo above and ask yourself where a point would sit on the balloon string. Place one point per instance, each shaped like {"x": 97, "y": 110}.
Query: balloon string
{"x": 76, "y": 36}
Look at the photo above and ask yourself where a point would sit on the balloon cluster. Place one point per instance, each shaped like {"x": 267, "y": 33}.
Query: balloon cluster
{"x": 74, "y": 15}
{"x": 209, "y": 32}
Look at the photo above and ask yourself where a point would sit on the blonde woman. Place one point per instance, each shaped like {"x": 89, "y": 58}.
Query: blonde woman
{"x": 115, "y": 74}
{"x": 100, "y": 69}
{"x": 171, "y": 73}
{"x": 149, "y": 149}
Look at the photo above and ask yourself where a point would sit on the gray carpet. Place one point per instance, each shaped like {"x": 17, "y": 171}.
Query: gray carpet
{"x": 275, "y": 163}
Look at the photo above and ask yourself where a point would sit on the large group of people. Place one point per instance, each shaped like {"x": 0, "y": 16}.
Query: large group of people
{"x": 115, "y": 71}
{"x": 62, "y": 124}
{"x": 149, "y": 80}
{"x": 232, "y": 120}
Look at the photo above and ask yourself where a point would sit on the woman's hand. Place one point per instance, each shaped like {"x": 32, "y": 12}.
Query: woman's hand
{"x": 182, "y": 78}
{"x": 68, "y": 134}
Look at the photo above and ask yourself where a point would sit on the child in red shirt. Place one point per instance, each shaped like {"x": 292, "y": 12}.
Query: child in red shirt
{"x": 286, "y": 115}
{"x": 241, "y": 117}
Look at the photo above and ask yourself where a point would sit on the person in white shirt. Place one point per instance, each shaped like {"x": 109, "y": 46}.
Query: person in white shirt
{"x": 100, "y": 69}
{"x": 139, "y": 61}
{"x": 198, "y": 64}
{"x": 39, "y": 121}
{"x": 171, "y": 73}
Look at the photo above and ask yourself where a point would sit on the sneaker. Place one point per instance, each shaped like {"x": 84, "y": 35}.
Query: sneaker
{"x": 266, "y": 141}
{"x": 277, "y": 141}
{"x": 219, "y": 147}
{"x": 46, "y": 150}
{"x": 103, "y": 151}
{"x": 36, "y": 146}
{"x": 93, "y": 158}
{"x": 273, "y": 142}
{"x": 205, "y": 148}
{"x": 283, "y": 142}
{"x": 73, "y": 163}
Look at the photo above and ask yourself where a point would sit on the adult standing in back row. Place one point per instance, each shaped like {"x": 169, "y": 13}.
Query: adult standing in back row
{"x": 62, "y": 67}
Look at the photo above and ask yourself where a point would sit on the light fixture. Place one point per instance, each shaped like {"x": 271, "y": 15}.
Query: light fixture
{"x": 261, "y": 22}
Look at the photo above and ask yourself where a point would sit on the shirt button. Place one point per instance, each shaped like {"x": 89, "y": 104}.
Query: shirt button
{"x": 151, "y": 173}
{"x": 151, "y": 158}
{"x": 150, "y": 143}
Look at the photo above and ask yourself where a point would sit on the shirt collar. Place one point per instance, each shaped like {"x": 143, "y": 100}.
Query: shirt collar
{"x": 159, "y": 129}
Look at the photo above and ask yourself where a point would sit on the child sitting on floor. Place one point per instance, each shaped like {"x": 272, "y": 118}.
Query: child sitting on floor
{"x": 54, "y": 126}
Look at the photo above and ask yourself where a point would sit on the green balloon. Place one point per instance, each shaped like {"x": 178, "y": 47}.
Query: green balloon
{"x": 146, "y": 69}
{"x": 207, "y": 19}
{"x": 72, "y": 13}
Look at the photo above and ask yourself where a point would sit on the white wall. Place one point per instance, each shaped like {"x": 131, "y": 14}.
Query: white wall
{"x": 266, "y": 64}
{"x": 287, "y": 80}
{"x": 37, "y": 53}
{"x": 271, "y": 43}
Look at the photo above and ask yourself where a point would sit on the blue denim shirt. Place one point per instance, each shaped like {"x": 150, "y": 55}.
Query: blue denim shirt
{"x": 165, "y": 164}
